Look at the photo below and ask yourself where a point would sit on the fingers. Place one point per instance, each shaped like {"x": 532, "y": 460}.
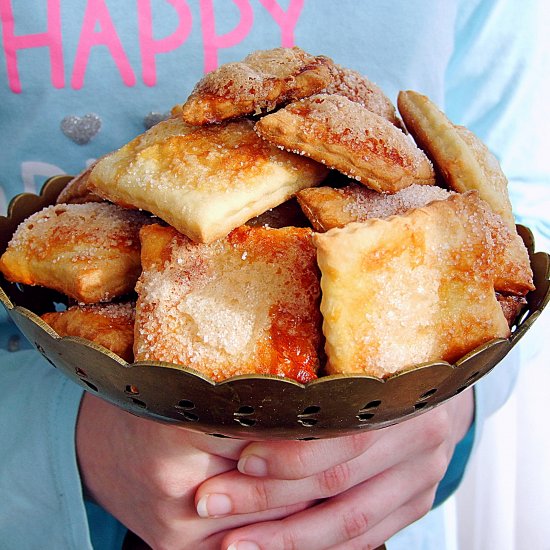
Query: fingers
{"x": 382, "y": 490}
{"x": 222, "y": 525}
{"x": 222, "y": 447}
{"x": 234, "y": 493}
{"x": 363, "y": 517}
{"x": 410, "y": 512}
{"x": 146, "y": 474}
{"x": 298, "y": 459}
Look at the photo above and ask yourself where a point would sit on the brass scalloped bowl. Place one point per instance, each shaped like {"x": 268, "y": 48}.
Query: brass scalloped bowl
{"x": 255, "y": 406}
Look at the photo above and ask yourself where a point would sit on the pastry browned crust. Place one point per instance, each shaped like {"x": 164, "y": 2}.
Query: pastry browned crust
{"x": 109, "y": 325}
{"x": 263, "y": 80}
{"x": 360, "y": 89}
{"x": 205, "y": 181}
{"x": 77, "y": 190}
{"x": 467, "y": 164}
{"x": 327, "y": 207}
{"x": 245, "y": 304}
{"x": 460, "y": 156}
{"x": 344, "y": 135}
{"x": 511, "y": 306}
{"x": 409, "y": 289}
{"x": 90, "y": 252}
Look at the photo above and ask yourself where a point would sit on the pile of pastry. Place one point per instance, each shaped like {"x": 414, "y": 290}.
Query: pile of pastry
{"x": 286, "y": 219}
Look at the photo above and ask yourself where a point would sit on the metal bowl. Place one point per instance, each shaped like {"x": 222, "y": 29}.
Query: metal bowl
{"x": 252, "y": 406}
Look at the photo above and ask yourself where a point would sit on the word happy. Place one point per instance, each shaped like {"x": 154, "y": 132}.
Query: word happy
{"x": 99, "y": 30}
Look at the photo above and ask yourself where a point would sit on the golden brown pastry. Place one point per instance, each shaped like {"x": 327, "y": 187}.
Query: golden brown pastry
{"x": 462, "y": 158}
{"x": 245, "y": 304}
{"x": 263, "y": 80}
{"x": 327, "y": 207}
{"x": 409, "y": 289}
{"x": 205, "y": 180}
{"x": 109, "y": 325}
{"x": 360, "y": 89}
{"x": 90, "y": 252}
{"x": 511, "y": 306}
{"x": 344, "y": 135}
{"x": 77, "y": 190}
{"x": 467, "y": 164}
{"x": 513, "y": 273}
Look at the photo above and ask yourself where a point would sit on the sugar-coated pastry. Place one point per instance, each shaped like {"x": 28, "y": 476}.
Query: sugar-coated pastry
{"x": 360, "y": 89}
{"x": 110, "y": 325}
{"x": 260, "y": 82}
{"x": 344, "y": 135}
{"x": 77, "y": 190}
{"x": 90, "y": 252}
{"x": 467, "y": 164}
{"x": 327, "y": 207}
{"x": 204, "y": 180}
{"x": 511, "y": 306}
{"x": 462, "y": 158}
{"x": 245, "y": 304}
{"x": 409, "y": 289}
{"x": 513, "y": 273}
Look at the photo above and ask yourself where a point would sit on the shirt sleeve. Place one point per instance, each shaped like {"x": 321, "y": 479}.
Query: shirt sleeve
{"x": 42, "y": 502}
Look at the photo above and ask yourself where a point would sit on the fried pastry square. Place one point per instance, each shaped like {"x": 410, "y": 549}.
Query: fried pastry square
{"x": 90, "y": 252}
{"x": 467, "y": 164}
{"x": 360, "y": 89}
{"x": 110, "y": 325}
{"x": 346, "y": 136}
{"x": 77, "y": 190}
{"x": 205, "y": 180}
{"x": 511, "y": 306}
{"x": 245, "y": 304}
{"x": 409, "y": 289}
{"x": 462, "y": 158}
{"x": 327, "y": 207}
{"x": 263, "y": 80}
{"x": 513, "y": 270}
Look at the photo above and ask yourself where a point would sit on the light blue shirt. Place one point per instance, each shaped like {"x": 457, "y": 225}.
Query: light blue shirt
{"x": 77, "y": 83}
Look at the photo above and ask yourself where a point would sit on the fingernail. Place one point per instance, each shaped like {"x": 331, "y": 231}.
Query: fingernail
{"x": 252, "y": 465}
{"x": 243, "y": 545}
{"x": 214, "y": 505}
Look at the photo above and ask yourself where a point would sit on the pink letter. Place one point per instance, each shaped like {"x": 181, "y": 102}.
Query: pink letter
{"x": 149, "y": 46}
{"x": 286, "y": 20}
{"x": 212, "y": 41}
{"x": 50, "y": 39}
{"x": 97, "y": 13}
